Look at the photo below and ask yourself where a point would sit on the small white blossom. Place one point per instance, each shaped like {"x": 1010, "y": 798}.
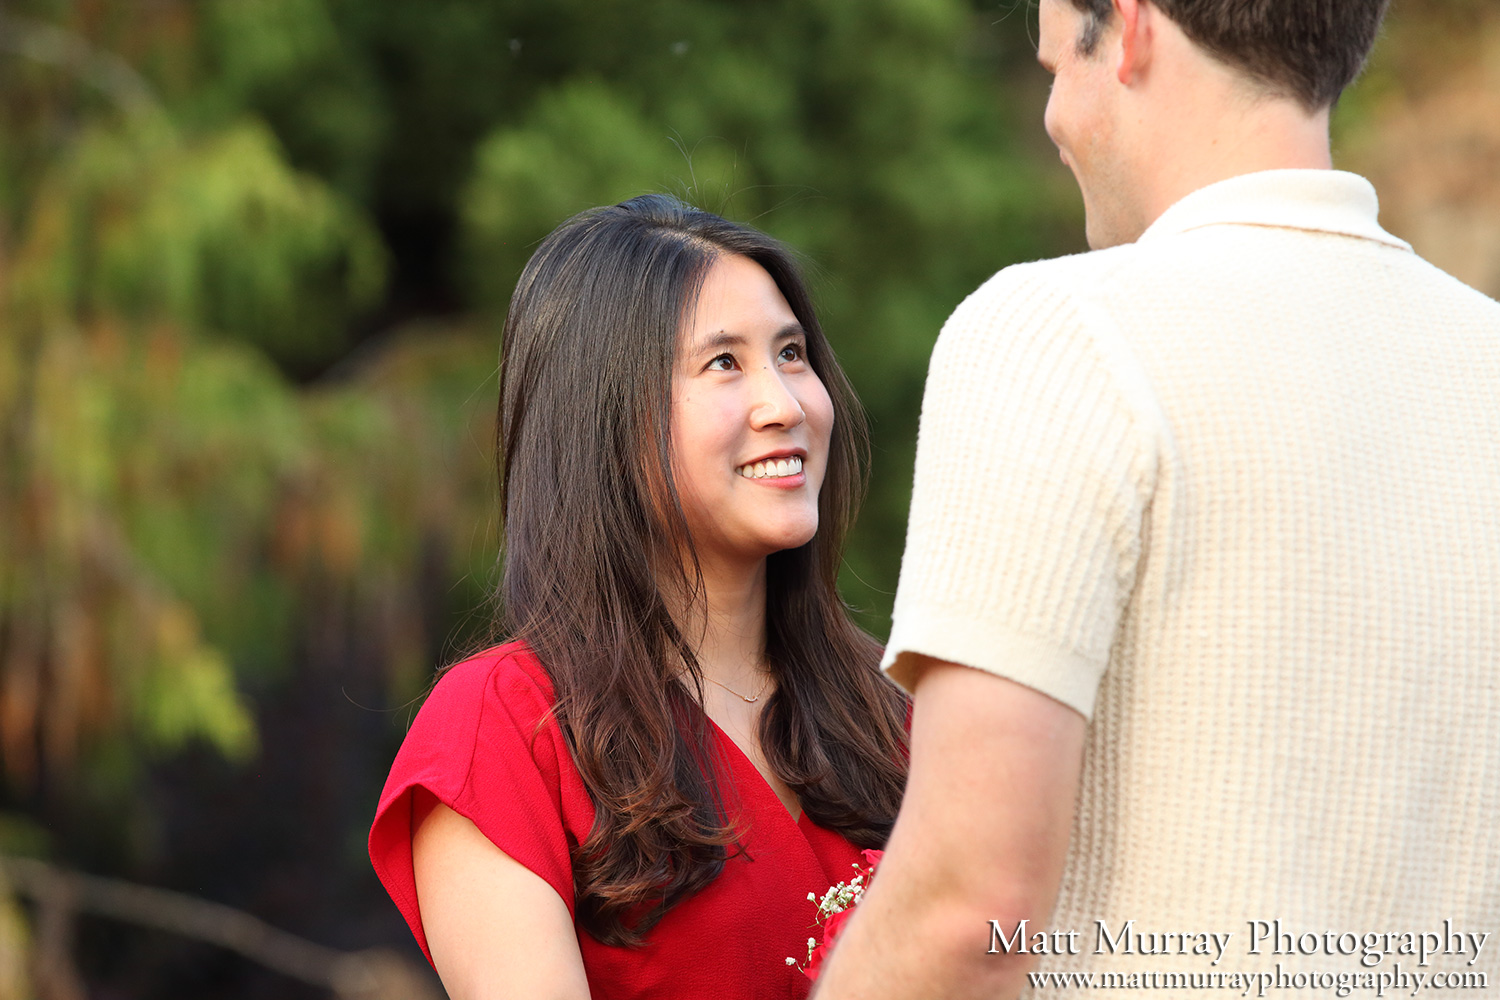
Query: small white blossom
{"x": 790, "y": 960}
{"x": 837, "y": 899}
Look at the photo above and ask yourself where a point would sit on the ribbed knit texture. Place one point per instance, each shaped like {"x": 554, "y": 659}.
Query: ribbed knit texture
{"x": 1233, "y": 491}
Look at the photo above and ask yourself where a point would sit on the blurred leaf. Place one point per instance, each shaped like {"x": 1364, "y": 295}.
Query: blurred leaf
{"x": 216, "y": 234}
{"x": 15, "y": 947}
{"x": 191, "y": 694}
{"x": 583, "y": 145}
{"x": 22, "y": 836}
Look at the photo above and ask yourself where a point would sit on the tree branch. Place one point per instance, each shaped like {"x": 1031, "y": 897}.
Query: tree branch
{"x": 46, "y": 43}
{"x": 366, "y": 975}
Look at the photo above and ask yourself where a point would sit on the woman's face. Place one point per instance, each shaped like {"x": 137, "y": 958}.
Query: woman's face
{"x": 750, "y": 419}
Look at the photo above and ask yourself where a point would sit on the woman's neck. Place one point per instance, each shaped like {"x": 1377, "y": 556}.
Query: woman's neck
{"x": 727, "y": 625}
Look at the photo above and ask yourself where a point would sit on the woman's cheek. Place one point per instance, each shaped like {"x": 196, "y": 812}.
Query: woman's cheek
{"x": 820, "y": 417}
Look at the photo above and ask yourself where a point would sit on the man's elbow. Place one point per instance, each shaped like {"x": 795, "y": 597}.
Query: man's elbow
{"x": 991, "y": 890}
{"x": 995, "y": 938}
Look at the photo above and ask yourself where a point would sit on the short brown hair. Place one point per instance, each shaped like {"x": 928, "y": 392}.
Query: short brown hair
{"x": 1306, "y": 49}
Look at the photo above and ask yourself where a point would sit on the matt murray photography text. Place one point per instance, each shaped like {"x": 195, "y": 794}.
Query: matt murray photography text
{"x": 1261, "y": 937}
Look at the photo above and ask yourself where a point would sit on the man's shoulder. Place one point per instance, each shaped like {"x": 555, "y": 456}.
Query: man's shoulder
{"x": 1185, "y": 267}
{"x": 1042, "y": 295}
{"x": 1073, "y": 274}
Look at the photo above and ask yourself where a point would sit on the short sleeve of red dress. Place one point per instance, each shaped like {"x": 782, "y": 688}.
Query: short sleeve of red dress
{"x": 481, "y": 746}
{"x": 485, "y": 746}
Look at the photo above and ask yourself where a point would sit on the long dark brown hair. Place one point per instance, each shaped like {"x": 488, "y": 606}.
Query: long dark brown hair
{"x": 590, "y": 509}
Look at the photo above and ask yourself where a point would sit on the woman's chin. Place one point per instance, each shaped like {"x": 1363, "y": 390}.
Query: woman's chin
{"x": 767, "y": 545}
{"x": 794, "y": 538}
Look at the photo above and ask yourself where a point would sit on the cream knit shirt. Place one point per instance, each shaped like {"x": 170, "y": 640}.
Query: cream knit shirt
{"x": 1233, "y": 493}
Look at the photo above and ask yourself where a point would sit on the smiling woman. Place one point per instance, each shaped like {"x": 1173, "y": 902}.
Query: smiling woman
{"x": 751, "y": 420}
{"x": 685, "y": 733}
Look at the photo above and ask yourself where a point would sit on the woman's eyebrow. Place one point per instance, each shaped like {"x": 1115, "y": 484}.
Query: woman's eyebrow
{"x": 718, "y": 341}
{"x": 721, "y": 339}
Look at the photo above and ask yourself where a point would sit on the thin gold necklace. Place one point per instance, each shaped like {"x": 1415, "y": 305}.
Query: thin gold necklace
{"x": 748, "y": 701}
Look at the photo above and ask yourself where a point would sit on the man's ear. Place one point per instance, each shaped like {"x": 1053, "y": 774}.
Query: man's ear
{"x": 1136, "y": 18}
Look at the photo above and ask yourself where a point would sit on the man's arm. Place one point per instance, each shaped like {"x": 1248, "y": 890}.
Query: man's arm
{"x": 982, "y": 835}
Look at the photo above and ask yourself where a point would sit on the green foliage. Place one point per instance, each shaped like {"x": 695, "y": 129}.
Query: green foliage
{"x": 202, "y": 204}
{"x": 22, "y": 836}
{"x": 253, "y": 257}
{"x": 14, "y": 946}
{"x": 291, "y": 63}
{"x": 148, "y": 440}
{"x": 582, "y": 145}
{"x": 191, "y": 693}
{"x": 216, "y": 234}
{"x": 869, "y": 136}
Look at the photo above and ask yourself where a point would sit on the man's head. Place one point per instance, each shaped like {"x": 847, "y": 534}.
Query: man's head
{"x": 1307, "y": 50}
{"x": 1152, "y": 99}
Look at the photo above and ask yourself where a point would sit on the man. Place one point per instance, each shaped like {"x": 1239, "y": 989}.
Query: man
{"x": 1201, "y": 595}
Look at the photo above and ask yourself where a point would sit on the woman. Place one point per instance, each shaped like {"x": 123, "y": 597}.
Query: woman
{"x": 686, "y": 734}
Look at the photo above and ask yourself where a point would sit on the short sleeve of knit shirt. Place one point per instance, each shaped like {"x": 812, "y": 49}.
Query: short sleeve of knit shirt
{"x": 1032, "y": 479}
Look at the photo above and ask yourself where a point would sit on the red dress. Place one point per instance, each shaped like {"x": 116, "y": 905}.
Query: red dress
{"x": 472, "y": 747}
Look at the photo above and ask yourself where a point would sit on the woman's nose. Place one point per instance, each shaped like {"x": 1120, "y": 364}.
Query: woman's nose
{"x": 776, "y": 403}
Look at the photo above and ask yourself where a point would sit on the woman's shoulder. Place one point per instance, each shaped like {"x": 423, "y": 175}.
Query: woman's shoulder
{"x": 508, "y": 674}
{"x": 484, "y": 745}
{"x": 497, "y": 703}
{"x": 486, "y": 737}
{"x": 506, "y": 670}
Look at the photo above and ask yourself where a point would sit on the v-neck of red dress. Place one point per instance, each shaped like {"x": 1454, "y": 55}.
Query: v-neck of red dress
{"x": 749, "y": 774}
{"x": 485, "y": 746}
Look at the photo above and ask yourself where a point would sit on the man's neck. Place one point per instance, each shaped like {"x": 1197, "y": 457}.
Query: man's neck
{"x": 1195, "y": 121}
{"x": 1270, "y": 135}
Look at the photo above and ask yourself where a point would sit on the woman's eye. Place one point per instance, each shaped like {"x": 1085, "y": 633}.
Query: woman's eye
{"x": 789, "y": 353}
{"x": 723, "y": 363}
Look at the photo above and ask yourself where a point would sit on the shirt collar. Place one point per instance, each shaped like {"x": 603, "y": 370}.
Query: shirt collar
{"x": 1329, "y": 201}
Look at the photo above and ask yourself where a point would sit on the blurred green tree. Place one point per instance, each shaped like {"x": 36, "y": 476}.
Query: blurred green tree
{"x": 150, "y": 272}
{"x": 195, "y": 196}
{"x": 253, "y": 254}
{"x": 252, "y": 259}
{"x": 874, "y": 138}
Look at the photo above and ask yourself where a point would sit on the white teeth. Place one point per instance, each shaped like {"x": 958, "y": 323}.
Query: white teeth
{"x": 772, "y": 468}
